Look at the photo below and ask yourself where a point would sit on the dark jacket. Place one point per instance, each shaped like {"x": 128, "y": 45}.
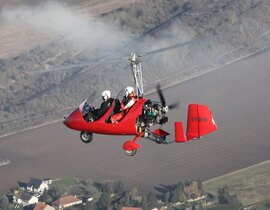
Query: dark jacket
{"x": 102, "y": 109}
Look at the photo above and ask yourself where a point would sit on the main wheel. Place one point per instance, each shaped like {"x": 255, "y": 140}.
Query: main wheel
{"x": 159, "y": 141}
{"x": 86, "y": 137}
{"x": 130, "y": 152}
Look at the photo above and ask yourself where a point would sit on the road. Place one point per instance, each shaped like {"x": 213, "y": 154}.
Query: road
{"x": 239, "y": 97}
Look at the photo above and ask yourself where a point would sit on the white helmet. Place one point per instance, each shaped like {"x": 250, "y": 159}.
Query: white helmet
{"x": 129, "y": 90}
{"x": 106, "y": 94}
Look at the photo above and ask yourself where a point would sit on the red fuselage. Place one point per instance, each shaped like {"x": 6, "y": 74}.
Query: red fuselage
{"x": 127, "y": 126}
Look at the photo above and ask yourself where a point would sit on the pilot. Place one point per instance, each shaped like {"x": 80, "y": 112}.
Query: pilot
{"x": 129, "y": 98}
{"x": 105, "y": 105}
{"x": 128, "y": 101}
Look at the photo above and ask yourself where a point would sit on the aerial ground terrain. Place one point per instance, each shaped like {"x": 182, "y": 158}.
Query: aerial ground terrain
{"x": 215, "y": 69}
{"x": 239, "y": 96}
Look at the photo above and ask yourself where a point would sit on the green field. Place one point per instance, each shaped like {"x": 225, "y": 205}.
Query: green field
{"x": 251, "y": 184}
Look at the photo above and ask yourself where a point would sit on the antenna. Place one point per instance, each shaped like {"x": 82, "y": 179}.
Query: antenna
{"x": 136, "y": 68}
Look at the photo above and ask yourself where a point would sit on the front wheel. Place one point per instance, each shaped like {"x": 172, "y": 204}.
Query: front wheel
{"x": 130, "y": 152}
{"x": 86, "y": 137}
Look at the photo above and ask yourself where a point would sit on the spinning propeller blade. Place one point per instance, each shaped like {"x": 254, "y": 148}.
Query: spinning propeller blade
{"x": 163, "y": 101}
{"x": 161, "y": 96}
{"x": 175, "y": 105}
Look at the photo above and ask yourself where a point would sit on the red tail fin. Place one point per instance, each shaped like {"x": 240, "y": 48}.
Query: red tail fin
{"x": 200, "y": 121}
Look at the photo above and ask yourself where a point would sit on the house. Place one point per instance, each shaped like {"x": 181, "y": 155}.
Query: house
{"x": 66, "y": 201}
{"x": 43, "y": 206}
{"x": 131, "y": 208}
{"x": 24, "y": 199}
{"x": 22, "y": 185}
{"x": 47, "y": 181}
{"x": 37, "y": 185}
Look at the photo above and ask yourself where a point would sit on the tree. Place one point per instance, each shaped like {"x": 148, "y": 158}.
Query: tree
{"x": 175, "y": 196}
{"x": 44, "y": 196}
{"x": 180, "y": 185}
{"x": 119, "y": 187}
{"x": 144, "y": 204}
{"x": 167, "y": 198}
{"x": 201, "y": 206}
{"x": 225, "y": 198}
{"x": 200, "y": 186}
{"x": 3, "y": 201}
{"x": 54, "y": 193}
{"x": 125, "y": 201}
{"x": 178, "y": 196}
{"x": 133, "y": 193}
{"x": 108, "y": 187}
{"x": 151, "y": 200}
{"x": 91, "y": 206}
{"x": 104, "y": 201}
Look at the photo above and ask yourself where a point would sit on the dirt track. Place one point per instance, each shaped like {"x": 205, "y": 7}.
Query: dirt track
{"x": 239, "y": 96}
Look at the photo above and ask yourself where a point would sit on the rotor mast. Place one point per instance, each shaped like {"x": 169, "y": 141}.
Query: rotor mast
{"x": 136, "y": 68}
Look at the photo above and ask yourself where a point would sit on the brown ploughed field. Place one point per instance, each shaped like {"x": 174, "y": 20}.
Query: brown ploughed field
{"x": 239, "y": 96}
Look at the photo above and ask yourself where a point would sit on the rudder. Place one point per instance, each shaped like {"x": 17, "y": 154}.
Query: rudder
{"x": 200, "y": 121}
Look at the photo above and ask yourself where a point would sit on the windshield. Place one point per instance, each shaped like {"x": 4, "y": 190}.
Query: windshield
{"x": 120, "y": 94}
{"x": 87, "y": 105}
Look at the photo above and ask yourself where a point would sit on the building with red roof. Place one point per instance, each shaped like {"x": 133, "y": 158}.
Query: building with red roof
{"x": 43, "y": 206}
{"x": 66, "y": 201}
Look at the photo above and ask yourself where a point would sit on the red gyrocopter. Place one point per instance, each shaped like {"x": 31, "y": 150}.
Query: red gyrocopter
{"x": 139, "y": 119}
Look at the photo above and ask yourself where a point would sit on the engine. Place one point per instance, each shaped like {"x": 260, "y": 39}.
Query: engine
{"x": 152, "y": 113}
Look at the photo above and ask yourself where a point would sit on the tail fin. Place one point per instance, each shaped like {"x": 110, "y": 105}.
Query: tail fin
{"x": 200, "y": 121}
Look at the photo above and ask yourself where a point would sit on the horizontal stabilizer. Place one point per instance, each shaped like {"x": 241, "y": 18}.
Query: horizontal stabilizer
{"x": 200, "y": 121}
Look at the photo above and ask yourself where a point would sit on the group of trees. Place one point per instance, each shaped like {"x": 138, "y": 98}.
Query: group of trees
{"x": 113, "y": 195}
{"x": 224, "y": 197}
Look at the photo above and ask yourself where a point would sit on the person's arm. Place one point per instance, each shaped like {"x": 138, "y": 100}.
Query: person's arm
{"x": 128, "y": 103}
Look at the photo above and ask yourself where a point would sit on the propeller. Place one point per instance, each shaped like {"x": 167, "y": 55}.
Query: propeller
{"x": 161, "y": 96}
{"x": 163, "y": 101}
{"x": 175, "y": 105}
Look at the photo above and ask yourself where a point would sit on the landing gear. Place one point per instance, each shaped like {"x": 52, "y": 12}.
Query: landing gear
{"x": 159, "y": 140}
{"x": 130, "y": 152}
{"x": 86, "y": 137}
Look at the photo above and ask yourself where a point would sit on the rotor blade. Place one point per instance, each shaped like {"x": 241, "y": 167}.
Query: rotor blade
{"x": 73, "y": 66}
{"x": 161, "y": 96}
{"x": 106, "y": 60}
{"x": 153, "y": 52}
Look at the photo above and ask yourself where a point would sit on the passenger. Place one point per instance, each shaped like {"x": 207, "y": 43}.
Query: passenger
{"x": 128, "y": 101}
{"x": 105, "y": 105}
{"x": 129, "y": 98}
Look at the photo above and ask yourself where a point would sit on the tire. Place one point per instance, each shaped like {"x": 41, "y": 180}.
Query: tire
{"x": 130, "y": 152}
{"x": 86, "y": 137}
{"x": 158, "y": 141}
